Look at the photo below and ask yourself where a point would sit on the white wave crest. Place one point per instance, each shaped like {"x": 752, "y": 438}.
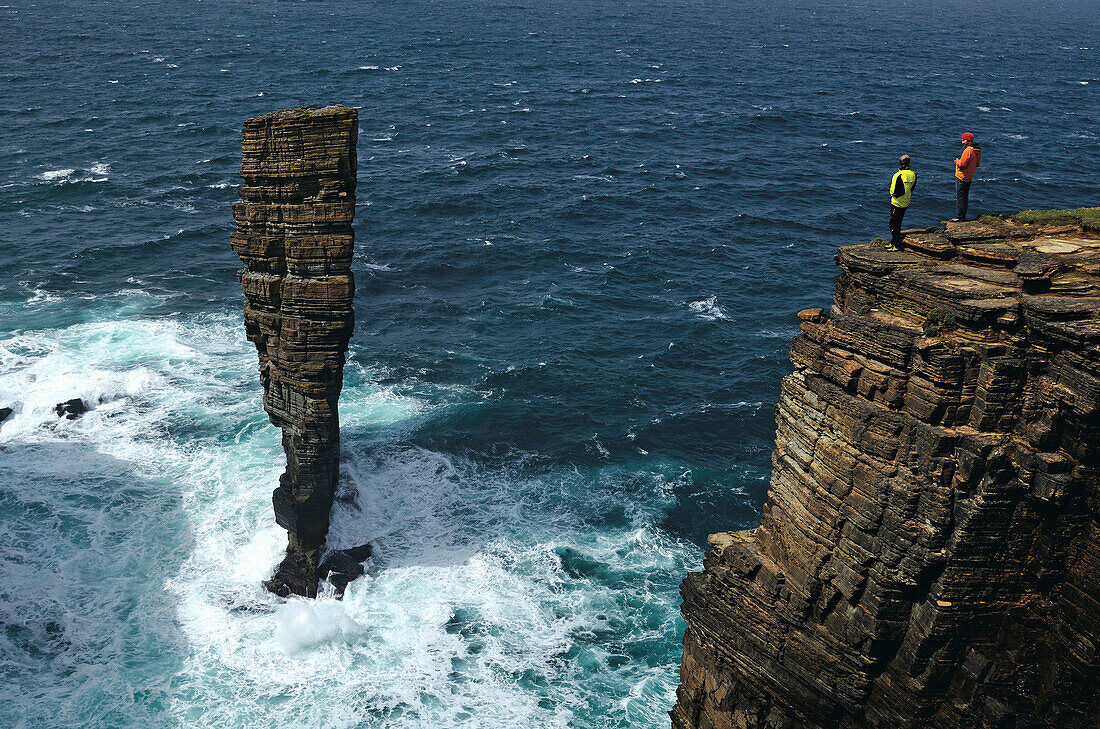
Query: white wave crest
{"x": 708, "y": 309}
{"x": 96, "y": 173}
{"x": 487, "y": 603}
{"x": 50, "y": 175}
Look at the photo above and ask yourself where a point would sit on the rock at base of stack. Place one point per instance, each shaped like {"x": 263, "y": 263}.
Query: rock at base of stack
{"x": 294, "y": 235}
{"x": 929, "y": 553}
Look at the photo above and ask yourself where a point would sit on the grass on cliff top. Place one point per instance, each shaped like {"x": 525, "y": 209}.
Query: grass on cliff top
{"x": 1085, "y": 217}
{"x": 302, "y": 111}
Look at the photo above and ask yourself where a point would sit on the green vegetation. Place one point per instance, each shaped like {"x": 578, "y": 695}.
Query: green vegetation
{"x": 1088, "y": 218}
{"x": 303, "y": 111}
{"x": 938, "y": 321}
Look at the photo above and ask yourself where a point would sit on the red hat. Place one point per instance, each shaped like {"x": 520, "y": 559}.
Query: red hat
{"x": 967, "y": 137}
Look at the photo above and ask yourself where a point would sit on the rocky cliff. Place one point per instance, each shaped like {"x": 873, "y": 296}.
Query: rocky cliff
{"x": 294, "y": 236}
{"x": 929, "y": 553}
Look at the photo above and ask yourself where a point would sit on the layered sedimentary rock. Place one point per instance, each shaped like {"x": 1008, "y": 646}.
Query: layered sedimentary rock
{"x": 294, "y": 236}
{"x": 929, "y": 553}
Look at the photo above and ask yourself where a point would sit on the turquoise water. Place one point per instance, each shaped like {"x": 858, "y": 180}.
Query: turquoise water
{"x": 136, "y": 537}
{"x": 583, "y": 231}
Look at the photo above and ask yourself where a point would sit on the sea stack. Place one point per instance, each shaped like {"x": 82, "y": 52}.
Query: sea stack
{"x": 294, "y": 235}
{"x": 929, "y": 553}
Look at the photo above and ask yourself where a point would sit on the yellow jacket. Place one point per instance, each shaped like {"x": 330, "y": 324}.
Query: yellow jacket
{"x": 908, "y": 181}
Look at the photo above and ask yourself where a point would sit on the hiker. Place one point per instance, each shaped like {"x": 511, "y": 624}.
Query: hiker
{"x": 965, "y": 166}
{"x": 901, "y": 193}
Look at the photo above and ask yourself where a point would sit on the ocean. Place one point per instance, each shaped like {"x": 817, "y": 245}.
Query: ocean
{"x": 583, "y": 232}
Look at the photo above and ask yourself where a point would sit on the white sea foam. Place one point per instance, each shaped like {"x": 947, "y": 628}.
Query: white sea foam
{"x": 482, "y": 603}
{"x": 37, "y": 379}
{"x": 777, "y": 333}
{"x": 301, "y": 625}
{"x": 95, "y": 173}
{"x": 42, "y": 296}
{"x": 708, "y": 309}
{"x": 55, "y": 174}
{"x": 386, "y": 136}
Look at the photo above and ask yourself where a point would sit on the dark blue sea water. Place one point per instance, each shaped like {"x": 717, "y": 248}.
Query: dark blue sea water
{"x": 583, "y": 232}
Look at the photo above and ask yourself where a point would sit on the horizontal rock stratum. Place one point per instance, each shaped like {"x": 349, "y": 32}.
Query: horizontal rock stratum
{"x": 295, "y": 238}
{"x": 929, "y": 553}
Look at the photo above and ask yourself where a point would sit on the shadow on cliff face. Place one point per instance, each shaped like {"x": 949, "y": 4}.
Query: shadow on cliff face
{"x": 90, "y": 636}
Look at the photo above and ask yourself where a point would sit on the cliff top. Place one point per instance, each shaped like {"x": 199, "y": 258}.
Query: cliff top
{"x": 991, "y": 278}
{"x": 302, "y": 112}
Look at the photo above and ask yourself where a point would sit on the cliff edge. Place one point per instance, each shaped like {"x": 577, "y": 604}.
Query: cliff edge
{"x": 294, "y": 236}
{"x": 929, "y": 553}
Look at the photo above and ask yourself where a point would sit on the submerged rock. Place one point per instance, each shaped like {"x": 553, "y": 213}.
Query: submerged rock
{"x": 341, "y": 566}
{"x": 70, "y": 409}
{"x": 5, "y": 413}
{"x": 294, "y": 236}
{"x": 928, "y": 553}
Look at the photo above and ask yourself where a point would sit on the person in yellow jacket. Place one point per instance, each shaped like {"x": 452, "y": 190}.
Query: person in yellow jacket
{"x": 901, "y": 194}
{"x": 965, "y": 166}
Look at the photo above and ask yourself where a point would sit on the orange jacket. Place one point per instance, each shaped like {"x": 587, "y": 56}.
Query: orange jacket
{"x": 968, "y": 162}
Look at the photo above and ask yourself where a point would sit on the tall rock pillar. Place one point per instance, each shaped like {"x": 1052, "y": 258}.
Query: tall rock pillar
{"x": 294, "y": 236}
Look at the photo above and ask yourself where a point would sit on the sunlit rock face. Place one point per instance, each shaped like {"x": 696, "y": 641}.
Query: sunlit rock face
{"x": 294, "y": 235}
{"x": 929, "y": 553}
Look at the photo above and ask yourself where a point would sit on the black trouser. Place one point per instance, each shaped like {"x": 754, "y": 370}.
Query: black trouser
{"x": 896, "y": 214}
{"x": 962, "y": 198}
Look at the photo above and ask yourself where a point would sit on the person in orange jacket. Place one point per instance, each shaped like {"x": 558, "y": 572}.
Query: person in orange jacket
{"x": 965, "y": 166}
